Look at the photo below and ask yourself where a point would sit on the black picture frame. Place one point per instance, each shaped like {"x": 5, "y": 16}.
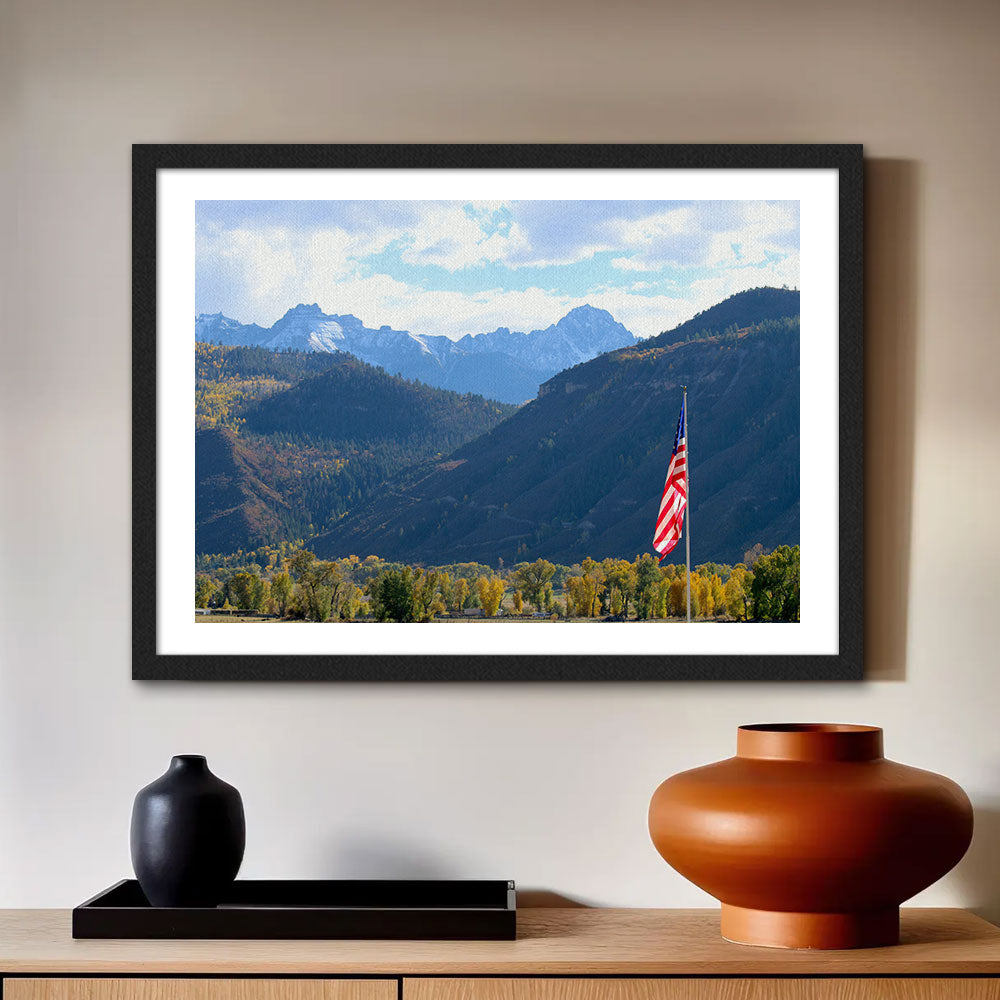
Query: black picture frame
{"x": 148, "y": 664}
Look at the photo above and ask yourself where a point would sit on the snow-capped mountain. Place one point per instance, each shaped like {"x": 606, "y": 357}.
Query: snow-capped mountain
{"x": 580, "y": 335}
{"x": 215, "y": 328}
{"x": 502, "y": 365}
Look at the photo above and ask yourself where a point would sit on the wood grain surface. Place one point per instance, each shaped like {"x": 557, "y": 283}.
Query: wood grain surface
{"x": 701, "y": 989}
{"x": 565, "y": 942}
{"x": 200, "y": 989}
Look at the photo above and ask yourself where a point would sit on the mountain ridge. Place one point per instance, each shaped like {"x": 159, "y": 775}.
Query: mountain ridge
{"x": 502, "y": 364}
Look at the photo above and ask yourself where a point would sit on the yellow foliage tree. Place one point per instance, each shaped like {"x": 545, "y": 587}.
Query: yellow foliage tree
{"x": 593, "y": 580}
{"x": 661, "y": 607}
{"x": 446, "y": 590}
{"x": 622, "y": 576}
{"x": 615, "y": 602}
{"x": 204, "y": 590}
{"x": 703, "y": 586}
{"x": 584, "y": 592}
{"x": 490, "y": 594}
{"x": 737, "y": 591}
{"x": 281, "y": 592}
{"x": 532, "y": 579}
{"x": 718, "y": 594}
{"x": 678, "y": 595}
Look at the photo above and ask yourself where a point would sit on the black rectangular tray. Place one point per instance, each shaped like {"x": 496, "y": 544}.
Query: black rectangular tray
{"x": 313, "y": 909}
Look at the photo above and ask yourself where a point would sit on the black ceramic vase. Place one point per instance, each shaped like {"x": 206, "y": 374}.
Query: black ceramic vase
{"x": 188, "y": 835}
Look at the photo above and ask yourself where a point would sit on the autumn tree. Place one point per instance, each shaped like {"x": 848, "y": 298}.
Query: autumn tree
{"x": 678, "y": 595}
{"x": 577, "y": 602}
{"x": 703, "y": 587}
{"x": 426, "y": 595}
{"x": 532, "y": 578}
{"x": 584, "y": 589}
{"x": 737, "y": 592}
{"x": 647, "y": 582}
{"x": 620, "y": 576}
{"x": 281, "y": 592}
{"x": 298, "y": 563}
{"x": 707, "y": 588}
{"x": 205, "y": 588}
{"x": 347, "y": 601}
{"x": 322, "y": 591}
{"x": 615, "y": 602}
{"x": 317, "y": 592}
{"x": 661, "y": 609}
{"x": 518, "y": 601}
{"x": 461, "y": 593}
{"x": 490, "y": 591}
{"x": 593, "y": 574}
{"x": 246, "y": 591}
{"x": 446, "y": 588}
{"x": 718, "y": 594}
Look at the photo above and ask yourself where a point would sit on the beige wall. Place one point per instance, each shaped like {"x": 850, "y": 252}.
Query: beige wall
{"x": 546, "y": 784}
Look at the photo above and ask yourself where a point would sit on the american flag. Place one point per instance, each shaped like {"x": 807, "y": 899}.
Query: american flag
{"x": 670, "y": 520}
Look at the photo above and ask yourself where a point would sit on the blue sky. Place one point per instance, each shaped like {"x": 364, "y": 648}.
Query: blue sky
{"x": 452, "y": 267}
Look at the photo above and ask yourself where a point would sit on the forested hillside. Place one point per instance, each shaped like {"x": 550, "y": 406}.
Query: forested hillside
{"x": 288, "y": 442}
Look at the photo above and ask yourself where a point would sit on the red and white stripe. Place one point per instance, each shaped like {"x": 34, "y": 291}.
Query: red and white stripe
{"x": 670, "y": 520}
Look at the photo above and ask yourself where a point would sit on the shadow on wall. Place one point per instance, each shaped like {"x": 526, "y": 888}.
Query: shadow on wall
{"x": 892, "y": 234}
{"x": 978, "y": 873}
{"x": 372, "y": 856}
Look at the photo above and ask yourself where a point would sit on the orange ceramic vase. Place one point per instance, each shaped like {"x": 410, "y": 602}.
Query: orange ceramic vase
{"x": 809, "y": 837}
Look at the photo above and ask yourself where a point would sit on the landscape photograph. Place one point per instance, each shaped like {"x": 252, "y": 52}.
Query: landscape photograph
{"x": 453, "y": 411}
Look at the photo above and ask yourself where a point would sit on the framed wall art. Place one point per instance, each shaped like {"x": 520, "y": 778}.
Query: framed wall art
{"x": 497, "y": 413}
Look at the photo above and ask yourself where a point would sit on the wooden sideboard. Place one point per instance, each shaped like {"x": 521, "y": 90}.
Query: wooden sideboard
{"x": 560, "y": 954}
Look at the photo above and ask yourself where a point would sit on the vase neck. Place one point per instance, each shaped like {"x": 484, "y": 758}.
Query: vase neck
{"x": 809, "y": 742}
{"x": 190, "y": 762}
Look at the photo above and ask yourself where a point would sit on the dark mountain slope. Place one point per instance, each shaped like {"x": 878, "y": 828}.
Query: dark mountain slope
{"x": 292, "y": 451}
{"x": 355, "y": 402}
{"x": 579, "y": 470}
{"x": 236, "y": 500}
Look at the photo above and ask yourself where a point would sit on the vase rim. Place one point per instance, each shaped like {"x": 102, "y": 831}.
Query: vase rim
{"x": 188, "y": 758}
{"x": 809, "y": 741}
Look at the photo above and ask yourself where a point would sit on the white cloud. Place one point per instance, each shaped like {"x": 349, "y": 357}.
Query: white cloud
{"x": 449, "y": 237}
{"x": 634, "y": 264}
{"x": 336, "y": 252}
{"x": 263, "y": 260}
{"x": 675, "y": 222}
{"x": 738, "y": 279}
{"x": 704, "y": 235}
{"x": 255, "y": 275}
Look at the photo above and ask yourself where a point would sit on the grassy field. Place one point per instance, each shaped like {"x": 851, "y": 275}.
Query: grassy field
{"x": 215, "y": 619}
{"x": 227, "y": 618}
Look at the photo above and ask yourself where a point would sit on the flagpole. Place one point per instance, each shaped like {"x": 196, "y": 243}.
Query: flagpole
{"x": 687, "y": 530}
